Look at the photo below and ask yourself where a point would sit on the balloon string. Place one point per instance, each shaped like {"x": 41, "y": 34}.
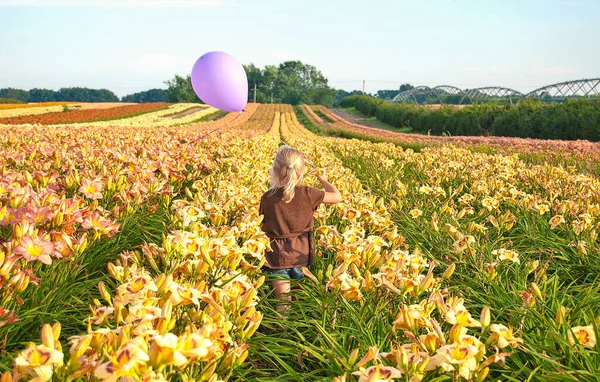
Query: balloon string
{"x": 306, "y": 160}
{"x": 218, "y": 128}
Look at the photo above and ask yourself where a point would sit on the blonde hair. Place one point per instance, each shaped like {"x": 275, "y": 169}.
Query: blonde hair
{"x": 287, "y": 171}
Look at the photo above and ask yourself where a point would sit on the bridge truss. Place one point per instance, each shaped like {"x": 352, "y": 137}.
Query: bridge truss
{"x": 558, "y": 92}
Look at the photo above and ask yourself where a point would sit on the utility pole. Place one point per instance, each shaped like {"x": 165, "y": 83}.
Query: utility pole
{"x": 271, "y": 97}
{"x": 363, "y": 87}
{"x": 254, "y": 93}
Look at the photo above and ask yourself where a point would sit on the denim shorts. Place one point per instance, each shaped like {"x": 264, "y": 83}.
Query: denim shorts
{"x": 289, "y": 273}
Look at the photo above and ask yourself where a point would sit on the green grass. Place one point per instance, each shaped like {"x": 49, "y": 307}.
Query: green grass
{"x": 324, "y": 116}
{"x": 382, "y": 125}
{"x": 303, "y": 119}
{"x": 320, "y": 329}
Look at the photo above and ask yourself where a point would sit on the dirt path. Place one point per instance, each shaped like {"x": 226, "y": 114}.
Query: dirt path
{"x": 187, "y": 112}
{"x": 354, "y": 119}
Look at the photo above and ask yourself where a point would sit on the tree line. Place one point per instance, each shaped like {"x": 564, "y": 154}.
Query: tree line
{"x": 76, "y": 94}
{"x": 573, "y": 119}
{"x": 292, "y": 82}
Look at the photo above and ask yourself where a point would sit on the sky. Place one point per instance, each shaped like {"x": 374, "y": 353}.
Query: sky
{"x": 129, "y": 46}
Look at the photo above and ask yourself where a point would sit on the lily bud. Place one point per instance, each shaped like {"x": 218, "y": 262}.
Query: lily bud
{"x": 56, "y": 331}
{"x": 47, "y": 336}
{"x": 167, "y": 309}
{"x": 422, "y": 366}
{"x": 449, "y": 271}
{"x": 455, "y": 332}
{"x": 485, "y": 317}
{"x": 80, "y": 347}
{"x": 403, "y": 359}
{"x": 561, "y": 312}
{"x": 103, "y": 292}
{"x": 536, "y": 290}
{"x": 425, "y": 283}
{"x": 352, "y": 358}
{"x": 481, "y": 376}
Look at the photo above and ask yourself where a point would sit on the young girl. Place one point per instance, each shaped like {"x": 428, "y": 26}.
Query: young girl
{"x": 288, "y": 211}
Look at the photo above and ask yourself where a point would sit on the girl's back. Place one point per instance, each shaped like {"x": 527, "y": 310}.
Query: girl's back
{"x": 289, "y": 225}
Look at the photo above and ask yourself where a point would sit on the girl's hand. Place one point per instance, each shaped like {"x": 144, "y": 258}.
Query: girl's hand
{"x": 332, "y": 194}
{"x": 321, "y": 175}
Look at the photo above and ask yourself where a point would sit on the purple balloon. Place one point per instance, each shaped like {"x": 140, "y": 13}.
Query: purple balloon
{"x": 220, "y": 81}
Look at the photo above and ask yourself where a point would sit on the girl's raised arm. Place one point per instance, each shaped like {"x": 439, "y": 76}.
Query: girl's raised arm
{"x": 332, "y": 195}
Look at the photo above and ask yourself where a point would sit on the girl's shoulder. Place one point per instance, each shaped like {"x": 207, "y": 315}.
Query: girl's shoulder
{"x": 270, "y": 192}
{"x": 305, "y": 188}
{"x": 315, "y": 195}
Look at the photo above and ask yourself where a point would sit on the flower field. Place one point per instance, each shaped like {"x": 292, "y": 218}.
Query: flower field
{"x": 131, "y": 250}
{"x": 581, "y": 155}
{"x": 41, "y": 109}
{"x": 87, "y": 115}
{"x": 159, "y": 118}
{"x": 32, "y": 105}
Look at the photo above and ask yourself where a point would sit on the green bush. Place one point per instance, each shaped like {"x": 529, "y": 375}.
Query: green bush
{"x": 574, "y": 119}
{"x": 349, "y": 101}
{"x": 367, "y": 105}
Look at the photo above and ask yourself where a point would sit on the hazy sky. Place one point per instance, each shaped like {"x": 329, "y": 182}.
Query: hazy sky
{"x": 133, "y": 45}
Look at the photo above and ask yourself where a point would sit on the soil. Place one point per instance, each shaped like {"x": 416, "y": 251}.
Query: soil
{"x": 354, "y": 119}
{"x": 187, "y": 112}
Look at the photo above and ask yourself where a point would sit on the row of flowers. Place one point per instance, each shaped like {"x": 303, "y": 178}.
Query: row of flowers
{"x": 582, "y": 154}
{"x": 480, "y": 193}
{"x": 78, "y": 116}
{"x": 161, "y": 118}
{"x": 36, "y": 110}
{"x": 16, "y": 106}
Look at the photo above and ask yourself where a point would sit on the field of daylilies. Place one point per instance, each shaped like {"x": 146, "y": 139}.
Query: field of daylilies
{"x": 131, "y": 250}
{"x": 75, "y": 116}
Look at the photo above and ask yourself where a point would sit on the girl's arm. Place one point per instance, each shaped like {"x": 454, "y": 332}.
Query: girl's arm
{"x": 332, "y": 195}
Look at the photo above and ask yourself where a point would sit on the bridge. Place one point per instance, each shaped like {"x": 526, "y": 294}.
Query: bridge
{"x": 558, "y": 92}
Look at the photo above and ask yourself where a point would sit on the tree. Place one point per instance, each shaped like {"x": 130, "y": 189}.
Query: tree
{"x": 255, "y": 78}
{"x": 387, "y": 94}
{"x": 78, "y": 94}
{"x": 291, "y": 82}
{"x": 341, "y": 94}
{"x": 302, "y": 83}
{"x": 323, "y": 96}
{"x": 406, "y": 87}
{"x": 152, "y": 95}
{"x": 269, "y": 77}
{"x": 22, "y": 95}
{"x": 180, "y": 89}
{"x": 41, "y": 95}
